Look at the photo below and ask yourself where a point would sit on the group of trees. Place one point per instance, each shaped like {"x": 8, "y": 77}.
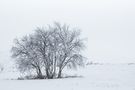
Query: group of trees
{"x": 49, "y": 50}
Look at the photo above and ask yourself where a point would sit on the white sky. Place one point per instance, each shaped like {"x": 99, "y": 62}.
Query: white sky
{"x": 109, "y": 25}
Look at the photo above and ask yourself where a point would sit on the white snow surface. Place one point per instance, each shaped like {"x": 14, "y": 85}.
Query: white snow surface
{"x": 94, "y": 77}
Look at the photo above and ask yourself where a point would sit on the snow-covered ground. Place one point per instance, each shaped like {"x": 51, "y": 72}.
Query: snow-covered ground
{"x": 94, "y": 77}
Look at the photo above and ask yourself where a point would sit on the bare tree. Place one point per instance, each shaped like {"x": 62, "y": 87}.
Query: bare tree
{"x": 70, "y": 46}
{"x": 49, "y": 50}
{"x": 26, "y": 56}
{"x": 1, "y": 68}
{"x": 43, "y": 40}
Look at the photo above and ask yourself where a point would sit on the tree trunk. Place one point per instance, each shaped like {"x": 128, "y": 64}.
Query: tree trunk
{"x": 48, "y": 75}
{"x": 39, "y": 73}
{"x": 54, "y": 72}
{"x": 59, "y": 73}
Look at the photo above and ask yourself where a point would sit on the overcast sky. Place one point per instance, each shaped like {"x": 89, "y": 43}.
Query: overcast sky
{"x": 109, "y": 25}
